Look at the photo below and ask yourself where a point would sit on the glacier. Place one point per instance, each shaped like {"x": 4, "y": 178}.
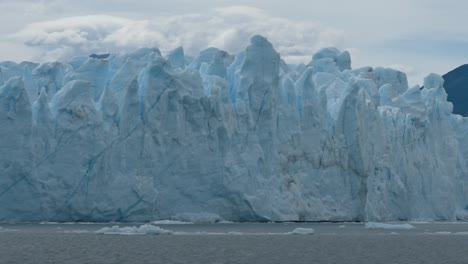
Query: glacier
{"x": 143, "y": 136}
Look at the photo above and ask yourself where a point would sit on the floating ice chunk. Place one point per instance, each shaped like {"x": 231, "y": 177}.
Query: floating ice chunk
{"x": 235, "y": 233}
{"x": 443, "y": 233}
{"x": 131, "y": 230}
{"x": 225, "y": 222}
{"x": 3, "y": 230}
{"x": 302, "y": 231}
{"x": 77, "y": 232}
{"x": 297, "y": 231}
{"x": 170, "y": 222}
{"x": 205, "y": 233}
{"x": 373, "y": 225}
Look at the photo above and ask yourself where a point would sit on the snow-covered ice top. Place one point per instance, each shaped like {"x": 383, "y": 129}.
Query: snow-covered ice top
{"x": 143, "y": 136}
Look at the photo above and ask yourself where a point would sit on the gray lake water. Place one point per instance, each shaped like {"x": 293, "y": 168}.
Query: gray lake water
{"x": 247, "y": 243}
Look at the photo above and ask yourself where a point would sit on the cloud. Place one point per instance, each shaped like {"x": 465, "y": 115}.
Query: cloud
{"x": 225, "y": 28}
{"x": 38, "y": 8}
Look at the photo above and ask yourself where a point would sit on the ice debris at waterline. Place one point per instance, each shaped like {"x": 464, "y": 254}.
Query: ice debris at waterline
{"x": 171, "y": 222}
{"x": 302, "y": 231}
{"x": 373, "y": 225}
{"x": 133, "y": 230}
{"x": 148, "y": 229}
{"x": 142, "y": 137}
{"x": 4, "y": 230}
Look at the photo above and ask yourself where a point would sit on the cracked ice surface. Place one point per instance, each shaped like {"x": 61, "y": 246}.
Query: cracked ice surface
{"x": 141, "y": 137}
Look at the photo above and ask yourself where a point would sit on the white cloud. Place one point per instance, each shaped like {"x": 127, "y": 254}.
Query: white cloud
{"x": 225, "y": 28}
{"x": 403, "y": 68}
{"x": 38, "y": 8}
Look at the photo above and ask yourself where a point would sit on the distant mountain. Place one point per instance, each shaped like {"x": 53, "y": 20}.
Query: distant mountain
{"x": 456, "y": 85}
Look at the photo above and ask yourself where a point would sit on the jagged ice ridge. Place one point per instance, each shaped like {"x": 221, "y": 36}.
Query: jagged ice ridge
{"x": 142, "y": 136}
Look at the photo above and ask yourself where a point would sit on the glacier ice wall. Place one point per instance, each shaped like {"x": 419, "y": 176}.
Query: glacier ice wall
{"x": 140, "y": 136}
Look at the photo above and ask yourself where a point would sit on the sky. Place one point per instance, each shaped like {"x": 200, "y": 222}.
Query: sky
{"x": 414, "y": 36}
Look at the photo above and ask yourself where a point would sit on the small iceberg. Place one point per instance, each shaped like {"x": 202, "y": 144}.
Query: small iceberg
{"x": 302, "y": 231}
{"x": 373, "y": 225}
{"x": 171, "y": 222}
{"x": 133, "y": 230}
